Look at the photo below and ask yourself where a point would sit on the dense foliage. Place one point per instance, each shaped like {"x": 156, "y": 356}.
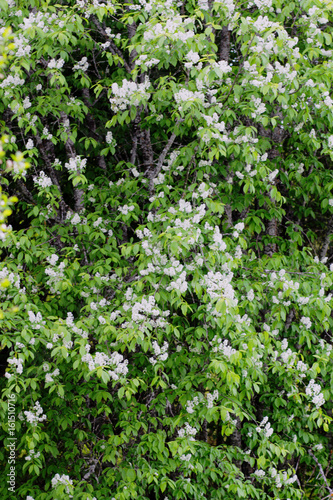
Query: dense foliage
{"x": 166, "y": 318}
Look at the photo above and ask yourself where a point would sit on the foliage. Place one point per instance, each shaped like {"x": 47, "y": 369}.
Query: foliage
{"x": 6, "y": 202}
{"x": 168, "y": 309}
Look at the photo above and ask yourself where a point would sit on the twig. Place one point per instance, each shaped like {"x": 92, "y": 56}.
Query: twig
{"x": 321, "y": 471}
{"x": 113, "y": 47}
{"x": 287, "y": 272}
{"x": 324, "y": 250}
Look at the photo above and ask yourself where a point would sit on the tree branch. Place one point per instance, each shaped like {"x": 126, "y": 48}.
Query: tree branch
{"x": 321, "y": 470}
{"x": 326, "y": 244}
{"x": 113, "y": 47}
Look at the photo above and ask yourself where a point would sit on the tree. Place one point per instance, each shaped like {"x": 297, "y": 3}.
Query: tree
{"x": 167, "y": 319}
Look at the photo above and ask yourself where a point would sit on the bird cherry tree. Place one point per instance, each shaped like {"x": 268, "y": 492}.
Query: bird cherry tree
{"x": 167, "y": 324}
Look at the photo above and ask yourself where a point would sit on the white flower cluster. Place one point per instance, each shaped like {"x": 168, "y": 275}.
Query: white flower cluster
{"x": 213, "y": 121}
{"x": 49, "y": 377}
{"x": 18, "y": 366}
{"x": 326, "y": 348}
{"x": 52, "y": 259}
{"x": 144, "y": 315}
{"x": 129, "y": 93}
{"x": 98, "y": 222}
{"x": 229, "y": 6}
{"x": 306, "y": 322}
{"x": 70, "y": 324}
{"x": 68, "y": 344}
{"x": 82, "y": 65}
{"x": 114, "y": 315}
{"x": 207, "y": 136}
{"x": 125, "y": 209}
{"x": 47, "y": 134}
{"x": 301, "y": 367}
{"x": 174, "y": 29}
{"x": 22, "y": 46}
{"x": 211, "y": 398}
{"x": 140, "y": 310}
{"x": 143, "y": 59}
{"x": 63, "y": 479}
{"x": 40, "y": 20}
{"x": 240, "y": 137}
{"x": 221, "y": 67}
{"x": 76, "y": 164}
{"x": 11, "y": 81}
{"x": 42, "y": 180}
{"x": 282, "y": 478}
{"x": 219, "y": 345}
{"x": 144, "y": 234}
{"x": 54, "y": 64}
{"x": 32, "y": 455}
{"x": 287, "y": 355}
{"x": 187, "y": 431}
{"x": 135, "y": 172}
{"x": 195, "y": 402}
{"x": 263, "y": 4}
{"x": 203, "y": 4}
{"x": 14, "y": 279}
{"x": 179, "y": 284}
{"x": 116, "y": 361}
{"x": 30, "y": 145}
{"x": 36, "y": 415}
{"x": 26, "y": 105}
{"x": 160, "y": 353}
{"x": 218, "y": 285}
{"x": 272, "y": 175}
{"x": 109, "y": 138}
{"x": 265, "y": 428}
{"x": 174, "y": 267}
{"x": 203, "y": 191}
{"x": 185, "y": 95}
{"x": 171, "y": 160}
{"x": 56, "y": 275}
{"x": 36, "y": 320}
{"x": 260, "y": 473}
{"x": 192, "y": 58}
{"x": 218, "y": 244}
{"x": 239, "y": 227}
{"x": 101, "y": 303}
{"x": 262, "y": 23}
{"x": 76, "y": 219}
{"x": 159, "y": 179}
{"x": 313, "y": 390}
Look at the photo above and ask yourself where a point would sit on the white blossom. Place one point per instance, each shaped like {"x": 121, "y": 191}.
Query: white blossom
{"x": 63, "y": 479}
{"x": 36, "y": 415}
{"x": 56, "y": 64}
{"x": 76, "y": 164}
{"x": 81, "y": 65}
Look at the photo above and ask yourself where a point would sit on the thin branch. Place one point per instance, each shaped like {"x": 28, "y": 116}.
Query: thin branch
{"x": 287, "y": 272}
{"x": 321, "y": 471}
{"x": 325, "y": 247}
{"x": 165, "y": 152}
{"x": 71, "y": 153}
{"x": 239, "y": 70}
{"x": 151, "y": 174}
{"x": 113, "y": 47}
